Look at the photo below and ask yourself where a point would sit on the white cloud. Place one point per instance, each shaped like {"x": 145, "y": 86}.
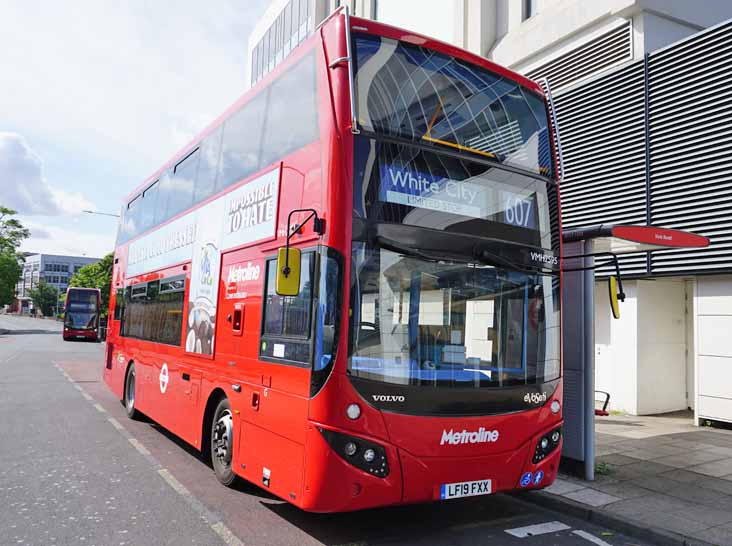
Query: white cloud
{"x": 122, "y": 79}
{"x": 58, "y": 240}
{"x": 24, "y": 187}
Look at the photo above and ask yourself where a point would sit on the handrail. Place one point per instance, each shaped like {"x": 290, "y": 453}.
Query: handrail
{"x": 351, "y": 85}
{"x": 553, "y": 113}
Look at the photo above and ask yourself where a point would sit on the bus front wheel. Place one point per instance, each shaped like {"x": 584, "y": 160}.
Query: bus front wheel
{"x": 222, "y": 443}
{"x": 129, "y": 395}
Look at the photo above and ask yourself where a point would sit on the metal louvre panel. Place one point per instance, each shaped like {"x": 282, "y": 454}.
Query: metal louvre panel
{"x": 690, "y": 95}
{"x": 598, "y": 54}
{"x": 602, "y": 131}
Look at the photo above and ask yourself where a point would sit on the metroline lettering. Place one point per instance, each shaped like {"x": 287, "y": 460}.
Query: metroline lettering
{"x": 481, "y": 436}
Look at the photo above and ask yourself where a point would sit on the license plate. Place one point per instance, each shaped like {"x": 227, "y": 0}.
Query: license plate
{"x": 465, "y": 489}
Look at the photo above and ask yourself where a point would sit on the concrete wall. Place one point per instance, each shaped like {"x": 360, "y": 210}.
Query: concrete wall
{"x": 441, "y": 19}
{"x": 713, "y": 342}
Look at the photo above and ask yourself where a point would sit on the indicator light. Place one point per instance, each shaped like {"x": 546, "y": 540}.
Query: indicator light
{"x": 555, "y": 406}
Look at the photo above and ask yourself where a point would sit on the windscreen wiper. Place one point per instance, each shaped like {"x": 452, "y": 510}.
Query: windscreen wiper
{"x": 388, "y": 244}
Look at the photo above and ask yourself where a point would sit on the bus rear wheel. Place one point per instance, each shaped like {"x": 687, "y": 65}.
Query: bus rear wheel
{"x": 129, "y": 394}
{"x": 222, "y": 443}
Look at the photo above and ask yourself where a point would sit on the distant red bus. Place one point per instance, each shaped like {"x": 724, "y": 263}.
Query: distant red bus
{"x": 81, "y": 313}
{"x": 346, "y": 289}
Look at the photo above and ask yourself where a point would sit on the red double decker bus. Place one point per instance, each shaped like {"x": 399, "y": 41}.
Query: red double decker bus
{"x": 81, "y": 313}
{"x": 346, "y": 289}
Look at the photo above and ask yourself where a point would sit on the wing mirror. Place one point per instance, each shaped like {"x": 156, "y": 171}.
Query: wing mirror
{"x": 615, "y": 291}
{"x": 288, "y": 272}
{"x": 289, "y": 259}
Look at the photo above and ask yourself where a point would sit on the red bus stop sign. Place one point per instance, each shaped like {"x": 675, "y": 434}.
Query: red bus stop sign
{"x": 627, "y": 239}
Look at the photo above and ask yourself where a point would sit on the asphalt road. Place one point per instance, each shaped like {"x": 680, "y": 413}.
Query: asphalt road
{"x": 75, "y": 471}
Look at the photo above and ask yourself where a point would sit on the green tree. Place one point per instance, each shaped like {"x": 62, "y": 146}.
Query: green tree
{"x": 12, "y": 231}
{"x": 44, "y": 297}
{"x": 96, "y": 275}
{"x": 10, "y": 271}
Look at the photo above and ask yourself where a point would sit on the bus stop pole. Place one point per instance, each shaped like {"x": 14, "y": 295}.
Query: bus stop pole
{"x": 588, "y": 350}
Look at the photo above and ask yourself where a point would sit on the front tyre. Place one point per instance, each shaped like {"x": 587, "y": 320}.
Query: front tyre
{"x": 222, "y": 442}
{"x": 129, "y": 394}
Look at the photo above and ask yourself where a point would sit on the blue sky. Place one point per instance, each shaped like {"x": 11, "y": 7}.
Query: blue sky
{"x": 96, "y": 95}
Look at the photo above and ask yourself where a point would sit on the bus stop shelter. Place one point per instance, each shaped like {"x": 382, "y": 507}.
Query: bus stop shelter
{"x": 585, "y": 250}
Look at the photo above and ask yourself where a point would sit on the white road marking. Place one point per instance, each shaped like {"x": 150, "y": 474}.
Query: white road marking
{"x": 116, "y": 424}
{"x": 86, "y": 396}
{"x": 591, "y": 538}
{"x": 138, "y": 446}
{"x": 538, "y": 529}
{"x": 226, "y": 535}
{"x": 174, "y": 483}
{"x": 99, "y": 408}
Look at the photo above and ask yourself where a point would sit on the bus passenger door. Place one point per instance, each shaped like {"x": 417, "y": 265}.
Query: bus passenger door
{"x": 186, "y": 397}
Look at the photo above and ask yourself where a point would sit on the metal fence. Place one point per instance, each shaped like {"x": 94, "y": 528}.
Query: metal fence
{"x": 651, "y": 142}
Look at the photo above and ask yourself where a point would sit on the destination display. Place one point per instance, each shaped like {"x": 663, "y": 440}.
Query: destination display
{"x": 480, "y": 198}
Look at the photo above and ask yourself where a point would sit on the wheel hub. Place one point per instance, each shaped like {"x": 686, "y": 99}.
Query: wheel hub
{"x": 222, "y": 435}
{"x": 131, "y": 391}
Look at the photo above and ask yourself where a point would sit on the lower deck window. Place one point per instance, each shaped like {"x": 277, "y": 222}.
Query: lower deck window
{"x": 153, "y": 311}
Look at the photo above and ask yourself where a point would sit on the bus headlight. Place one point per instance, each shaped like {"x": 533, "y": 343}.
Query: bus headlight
{"x": 346, "y": 446}
{"x": 546, "y": 445}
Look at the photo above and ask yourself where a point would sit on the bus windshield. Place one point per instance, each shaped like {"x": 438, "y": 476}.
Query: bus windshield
{"x": 82, "y": 309}
{"x": 442, "y": 323}
{"x": 411, "y": 92}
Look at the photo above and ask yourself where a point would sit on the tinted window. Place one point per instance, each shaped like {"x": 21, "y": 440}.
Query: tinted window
{"x": 153, "y": 311}
{"x": 286, "y": 328}
{"x": 131, "y": 220}
{"x": 149, "y": 202}
{"x": 292, "y": 119}
{"x": 208, "y": 167}
{"x": 242, "y": 141}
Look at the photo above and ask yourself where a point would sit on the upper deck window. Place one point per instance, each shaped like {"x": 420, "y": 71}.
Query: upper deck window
{"x": 277, "y": 121}
{"x": 418, "y": 94}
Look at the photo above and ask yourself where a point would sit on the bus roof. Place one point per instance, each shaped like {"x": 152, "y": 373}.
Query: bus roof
{"x": 359, "y": 25}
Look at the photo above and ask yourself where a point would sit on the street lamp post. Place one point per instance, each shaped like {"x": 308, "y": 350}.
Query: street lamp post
{"x": 101, "y": 213}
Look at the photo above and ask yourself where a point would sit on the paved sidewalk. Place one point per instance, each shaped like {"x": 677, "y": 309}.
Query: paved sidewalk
{"x": 660, "y": 472}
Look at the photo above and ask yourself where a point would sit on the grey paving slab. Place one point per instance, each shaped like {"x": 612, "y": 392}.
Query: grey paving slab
{"x": 690, "y": 458}
{"x": 623, "y": 490}
{"x": 560, "y": 487}
{"x": 657, "y": 483}
{"x": 715, "y": 468}
{"x": 690, "y": 445}
{"x": 638, "y": 470}
{"x": 592, "y": 497}
{"x": 674, "y": 522}
{"x": 719, "y": 536}
{"x": 704, "y": 514}
{"x": 683, "y": 476}
{"x": 707, "y": 497}
{"x": 617, "y": 459}
{"x": 643, "y": 454}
